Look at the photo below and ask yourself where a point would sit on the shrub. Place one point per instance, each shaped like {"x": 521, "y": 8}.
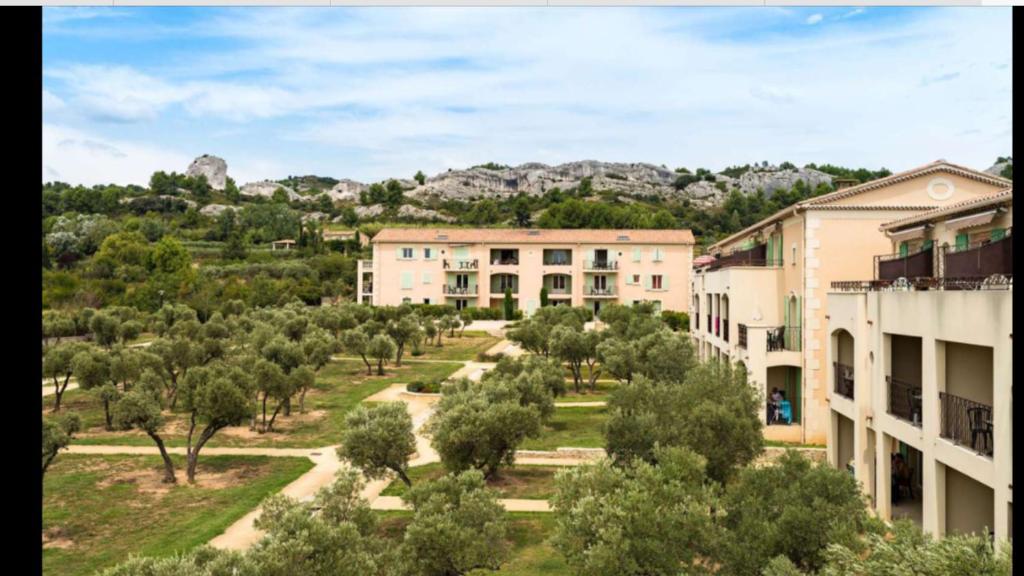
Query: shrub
{"x": 676, "y": 320}
{"x": 485, "y": 357}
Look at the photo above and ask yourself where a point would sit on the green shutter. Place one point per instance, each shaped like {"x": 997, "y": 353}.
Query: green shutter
{"x": 426, "y": 278}
{"x": 398, "y": 253}
{"x": 461, "y": 253}
{"x": 998, "y": 234}
{"x": 771, "y": 251}
{"x": 406, "y": 280}
{"x": 904, "y": 248}
{"x": 636, "y": 254}
{"x": 778, "y": 260}
{"x": 647, "y": 281}
{"x": 664, "y": 281}
{"x": 962, "y": 241}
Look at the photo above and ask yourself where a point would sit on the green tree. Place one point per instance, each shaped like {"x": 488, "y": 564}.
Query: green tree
{"x": 169, "y": 256}
{"x": 420, "y": 177}
{"x": 507, "y": 306}
{"x": 768, "y": 515}
{"x": 356, "y": 342}
{"x": 137, "y": 409}
{"x": 402, "y": 331}
{"x": 635, "y": 519}
{"x": 381, "y": 347}
{"x": 379, "y": 439}
{"x": 58, "y": 432}
{"x": 215, "y": 397}
{"x": 457, "y": 526}
{"x": 57, "y": 365}
{"x": 544, "y": 302}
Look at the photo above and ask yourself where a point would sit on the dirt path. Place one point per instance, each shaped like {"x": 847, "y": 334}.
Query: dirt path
{"x": 49, "y": 391}
{"x": 590, "y": 404}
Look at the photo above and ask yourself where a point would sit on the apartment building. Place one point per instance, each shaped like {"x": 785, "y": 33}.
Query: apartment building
{"x": 761, "y": 299}
{"x": 920, "y": 364}
{"x": 474, "y": 267}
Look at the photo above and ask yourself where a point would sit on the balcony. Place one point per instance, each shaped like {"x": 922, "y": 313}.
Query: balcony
{"x": 980, "y": 260}
{"x": 557, "y": 257}
{"x": 741, "y": 336}
{"x": 904, "y": 400}
{"x": 843, "y": 379}
{"x": 593, "y": 292}
{"x": 464, "y": 265}
{"x": 366, "y": 265}
{"x": 756, "y": 256}
{"x": 916, "y": 265}
{"x": 450, "y": 290}
{"x": 601, "y": 265}
{"x": 501, "y": 257}
{"x": 367, "y": 287}
{"x": 966, "y": 423}
{"x": 783, "y": 338}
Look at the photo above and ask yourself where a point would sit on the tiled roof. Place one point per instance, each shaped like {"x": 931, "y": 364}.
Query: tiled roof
{"x": 524, "y": 236}
{"x": 821, "y": 202}
{"x": 1003, "y": 196}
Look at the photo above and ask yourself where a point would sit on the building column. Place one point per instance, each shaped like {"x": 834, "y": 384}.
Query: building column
{"x": 1002, "y": 438}
{"x": 883, "y": 476}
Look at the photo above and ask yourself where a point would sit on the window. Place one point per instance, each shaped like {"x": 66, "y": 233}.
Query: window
{"x": 997, "y": 234}
{"x": 428, "y": 253}
{"x": 962, "y": 241}
{"x": 558, "y": 283}
{"x": 406, "y": 300}
{"x": 904, "y": 249}
{"x": 636, "y": 254}
{"x": 658, "y": 255}
{"x": 656, "y": 282}
{"x": 426, "y": 300}
{"x": 427, "y": 278}
{"x": 407, "y": 254}
{"x": 461, "y": 304}
{"x": 636, "y": 279}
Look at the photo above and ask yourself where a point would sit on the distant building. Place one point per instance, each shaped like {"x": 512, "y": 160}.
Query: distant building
{"x": 474, "y": 267}
{"x": 282, "y": 244}
{"x": 920, "y": 364}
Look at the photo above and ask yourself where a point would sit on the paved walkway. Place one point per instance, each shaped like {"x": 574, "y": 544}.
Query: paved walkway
{"x": 48, "y": 389}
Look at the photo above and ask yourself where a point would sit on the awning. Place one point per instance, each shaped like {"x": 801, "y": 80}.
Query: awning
{"x": 908, "y": 234}
{"x": 969, "y": 221}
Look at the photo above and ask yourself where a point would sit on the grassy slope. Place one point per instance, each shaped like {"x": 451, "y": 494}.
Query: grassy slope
{"x": 107, "y": 520}
{"x": 575, "y": 427}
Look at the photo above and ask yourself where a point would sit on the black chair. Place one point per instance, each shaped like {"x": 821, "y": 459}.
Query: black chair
{"x": 980, "y": 418}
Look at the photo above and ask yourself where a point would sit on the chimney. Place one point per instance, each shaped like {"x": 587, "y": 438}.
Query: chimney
{"x": 840, "y": 183}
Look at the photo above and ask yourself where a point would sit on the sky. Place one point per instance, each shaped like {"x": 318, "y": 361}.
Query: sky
{"x": 376, "y": 93}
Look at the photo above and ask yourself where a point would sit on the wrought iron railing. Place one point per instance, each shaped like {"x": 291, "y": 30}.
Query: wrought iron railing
{"x": 592, "y": 291}
{"x": 367, "y": 287}
{"x": 500, "y": 288}
{"x": 459, "y": 290}
{"x": 966, "y": 422}
{"x": 473, "y": 264}
{"x": 784, "y": 338}
{"x": 843, "y": 379}
{"x": 504, "y": 261}
{"x": 600, "y": 265}
{"x": 741, "y": 335}
{"x": 367, "y": 264}
{"x": 994, "y": 282}
{"x": 904, "y": 400}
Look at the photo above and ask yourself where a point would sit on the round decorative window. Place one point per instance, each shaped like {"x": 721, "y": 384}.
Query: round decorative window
{"x": 940, "y": 189}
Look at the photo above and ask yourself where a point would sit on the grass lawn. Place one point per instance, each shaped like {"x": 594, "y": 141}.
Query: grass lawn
{"x": 575, "y": 427}
{"x": 99, "y": 509}
{"x": 530, "y": 482}
{"x": 528, "y": 534}
{"x": 464, "y": 348}
{"x": 340, "y": 386}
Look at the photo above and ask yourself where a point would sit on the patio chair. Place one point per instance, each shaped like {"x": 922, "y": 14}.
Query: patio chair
{"x": 980, "y": 418}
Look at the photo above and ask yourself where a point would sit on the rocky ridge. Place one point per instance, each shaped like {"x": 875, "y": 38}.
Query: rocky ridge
{"x": 213, "y": 167}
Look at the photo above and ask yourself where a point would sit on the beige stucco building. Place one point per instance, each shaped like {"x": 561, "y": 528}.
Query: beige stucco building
{"x": 763, "y": 301}
{"x": 473, "y": 267}
{"x": 920, "y": 365}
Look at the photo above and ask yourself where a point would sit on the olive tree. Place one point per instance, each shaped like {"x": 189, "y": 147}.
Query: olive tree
{"x": 58, "y": 432}
{"x": 57, "y": 366}
{"x": 215, "y": 397}
{"x": 635, "y": 519}
{"x": 457, "y": 526}
{"x": 138, "y": 409}
{"x": 381, "y": 347}
{"x": 357, "y": 342}
{"x": 402, "y": 331}
{"x": 379, "y": 439}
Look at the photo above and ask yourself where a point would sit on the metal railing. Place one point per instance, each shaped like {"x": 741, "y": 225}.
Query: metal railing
{"x": 366, "y": 264}
{"x": 500, "y": 288}
{"x": 367, "y": 287}
{"x": 504, "y": 261}
{"x": 592, "y": 291}
{"x": 600, "y": 265}
{"x": 904, "y": 400}
{"x": 994, "y": 282}
{"x": 459, "y": 290}
{"x": 473, "y": 264}
{"x": 843, "y": 379}
{"x": 966, "y": 422}
{"x": 741, "y": 335}
{"x": 783, "y": 338}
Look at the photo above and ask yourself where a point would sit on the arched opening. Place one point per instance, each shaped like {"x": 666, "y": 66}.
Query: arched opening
{"x": 842, "y": 363}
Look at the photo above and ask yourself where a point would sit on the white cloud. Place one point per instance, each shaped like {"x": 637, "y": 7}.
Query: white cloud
{"x": 80, "y": 158}
{"x": 814, "y": 18}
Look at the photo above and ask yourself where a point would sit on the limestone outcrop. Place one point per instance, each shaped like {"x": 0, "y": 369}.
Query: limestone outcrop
{"x": 213, "y": 167}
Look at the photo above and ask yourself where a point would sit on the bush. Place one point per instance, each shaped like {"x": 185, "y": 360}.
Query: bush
{"x": 421, "y": 387}
{"x": 481, "y": 314}
{"x": 485, "y": 357}
{"x": 676, "y": 320}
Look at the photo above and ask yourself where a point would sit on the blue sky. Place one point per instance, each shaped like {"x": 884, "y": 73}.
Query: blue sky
{"x": 372, "y": 93}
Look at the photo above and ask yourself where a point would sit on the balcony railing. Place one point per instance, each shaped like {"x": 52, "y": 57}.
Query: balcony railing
{"x": 844, "y": 379}
{"x": 459, "y": 290}
{"x": 784, "y": 338}
{"x": 367, "y": 287}
{"x": 741, "y": 335}
{"x": 558, "y": 291}
{"x": 473, "y": 264}
{"x": 916, "y": 265}
{"x": 504, "y": 261}
{"x": 756, "y": 256}
{"x": 967, "y": 423}
{"x": 500, "y": 288}
{"x": 367, "y": 264}
{"x": 980, "y": 260}
{"x": 994, "y": 282}
{"x": 904, "y": 400}
{"x": 600, "y": 265}
{"x": 558, "y": 260}
{"x": 593, "y": 291}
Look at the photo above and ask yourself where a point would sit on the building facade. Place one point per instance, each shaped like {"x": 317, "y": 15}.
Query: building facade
{"x": 762, "y": 300}
{"x": 474, "y": 267}
{"x": 921, "y": 371}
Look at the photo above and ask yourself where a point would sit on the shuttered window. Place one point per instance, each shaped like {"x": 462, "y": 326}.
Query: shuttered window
{"x": 962, "y": 241}
{"x": 406, "y": 280}
{"x": 636, "y": 254}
